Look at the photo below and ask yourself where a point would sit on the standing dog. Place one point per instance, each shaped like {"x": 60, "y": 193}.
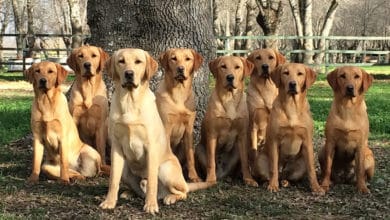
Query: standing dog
{"x": 140, "y": 152}
{"x": 289, "y": 143}
{"x": 225, "y": 125}
{"x": 347, "y": 129}
{"x": 54, "y": 131}
{"x": 261, "y": 93}
{"x": 88, "y": 102}
{"x": 176, "y": 103}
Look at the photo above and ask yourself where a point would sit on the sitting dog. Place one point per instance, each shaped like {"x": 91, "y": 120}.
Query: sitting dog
{"x": 261, "y": 93}
{"x": 88, "y": 102}
{"x": 346, "y": 148}
{"x": 54, "y": 132}
{"x": 176, "y": 103}
{"x": 289, "y": 143}
{"x": 140, "y": 152}
{"x": 225, "y": 125}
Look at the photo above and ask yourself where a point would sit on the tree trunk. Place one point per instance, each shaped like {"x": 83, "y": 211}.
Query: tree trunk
{"x": 30, "y": 29}
{"x": 307, "y": 8}
{"x": 155, "y": 26}
{"x": 269, "y": 19}
{"x": 239, "y": 29}
{"x": 76, "y": 23}
{"x": 298, "y": 44}
{"x": 5, "y": 6}
{"x": 329, "y": 18}
{"x": 18, "y": 9}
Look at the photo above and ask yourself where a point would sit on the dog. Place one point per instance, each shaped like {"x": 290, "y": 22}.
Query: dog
{"x": 289, "y": 143}
{"x": 225, "y": 125}
{"x": 347, "y": 128}
{"x": 55, "y": 134}
{"x": 176, "y": 103}
{"x": 88, "y": 103}
{"x": 140, "y": 152}
{"x": 261, "y": 93}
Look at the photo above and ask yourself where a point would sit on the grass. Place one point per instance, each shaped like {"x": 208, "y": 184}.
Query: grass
{"x": 229, "y": 199}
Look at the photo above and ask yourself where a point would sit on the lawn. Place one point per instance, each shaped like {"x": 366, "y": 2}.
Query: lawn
{"x": 229, "y": 199}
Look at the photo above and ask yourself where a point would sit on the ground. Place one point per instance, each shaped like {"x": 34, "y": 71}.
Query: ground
{"x": 229, "y": 199}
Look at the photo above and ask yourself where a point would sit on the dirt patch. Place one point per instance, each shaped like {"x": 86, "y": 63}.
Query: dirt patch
{"x": 229, "y": 199}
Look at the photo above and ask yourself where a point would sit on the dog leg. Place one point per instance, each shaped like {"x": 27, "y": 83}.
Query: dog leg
{"x": 37, "y": 160}
{"x": 273, "y": 156}
{"x": 171, "y": 177}
{"x": 189, "y": 148}
{"x": 244, "y": 161}
{"x": 211, "y": 147}
{"x": 369, "y": 164}
{"x": 309, "y": 158}
{"x": 90, "y": 161}
{"x": 151, "y": 205}
{"x": 117, "y": 163}
{"x": 360, "y": 171}
{"x": 325, "y": 158}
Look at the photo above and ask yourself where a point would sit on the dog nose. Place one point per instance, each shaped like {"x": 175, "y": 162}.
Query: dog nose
{"x": 180, "y": 69}
{"x": 264, "y": 66}
{"x": 350, "y": 88}
{"x": 230, "y": 78}
{"x": 292, "y": 85}
{"x": 129, "y": 75}
{"x": 42, "y": 81}
{"x": 87, "y": 65}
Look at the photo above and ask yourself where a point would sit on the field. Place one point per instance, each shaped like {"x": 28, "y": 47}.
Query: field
{"x": 229, "y": 199}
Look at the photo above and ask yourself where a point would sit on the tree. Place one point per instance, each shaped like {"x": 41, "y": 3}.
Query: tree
{"x": 155, "y": 26}
{"x": 5, "y": 11}
{"x": 269, "y": 19}
{"x": 19, "y": 8}
{"x": 76, "y": 23}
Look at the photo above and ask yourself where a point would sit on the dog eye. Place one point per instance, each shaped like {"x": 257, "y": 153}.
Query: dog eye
{"x": 237, "y": 67}
{"x": 223, "y": 66}
{"x": 342, "y": 76}
{"x": 138, "y": 62}
{"x": 174, "y": 58}
{"x": 50, "y": 71}
{"x": 258, "y": 58}
{"x": 357, "y": 76}
{"x": 300, "y": 74}
{"x": 94, "y": 55}
{"x": 121, "y": 61}
{"x": 80, "y": 55}
{"x": 37, "y": 71}
{"x": 286, "y": 73}
{"x": 271, "y": 57}
{"x": 188, "y": 59}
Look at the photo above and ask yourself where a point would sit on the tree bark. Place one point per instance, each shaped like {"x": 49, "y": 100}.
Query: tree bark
{"x": 76, "y": 23}
{"x": 5, "y": 8}
{"x": 307, "y": 30}
{"x": 155, "y": 26}
{"x": 269, "y": 19}
{"x": 18, "y": 9}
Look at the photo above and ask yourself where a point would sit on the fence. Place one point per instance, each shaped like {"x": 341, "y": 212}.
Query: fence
{"x": 60, "y": 52}
{"x": 380, "y": 54}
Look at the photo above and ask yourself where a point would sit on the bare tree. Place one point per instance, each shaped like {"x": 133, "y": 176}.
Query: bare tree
{"x": 269, "y": 19}
{"x": 19, "y": 8}
{"x": 5, "y": 12}
{"x": 76, "y": 22}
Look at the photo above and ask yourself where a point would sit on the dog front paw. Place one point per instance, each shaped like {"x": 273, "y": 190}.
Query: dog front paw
{"x": 108, "y": 204}
{"x": 318, "y": 191}
{"x": 151, "y": 206}
{"x": 325, "y": 187}
{"x": 273, "y": 187}
{"x": 363, "y": 190}
{"x": 251, "y": 182}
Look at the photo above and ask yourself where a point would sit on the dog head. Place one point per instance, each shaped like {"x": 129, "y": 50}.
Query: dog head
{"x": 293, "y": 78}
{"x": 266, "y": 60}
{"x": 179, "y": 63}
{"x": 131, "y": 67}
{"x": 87, "y": 60}
{"x": 45, "y": 75}
{"x": 229, "y": 71}
{"x": 349, "y": 81}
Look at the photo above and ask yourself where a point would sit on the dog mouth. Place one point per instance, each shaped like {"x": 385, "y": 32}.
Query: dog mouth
{"x": 88, "y": 74}
{"x": 230, "y": 86}
{"x": 292, "y": 91}
{"x": 129, "y": 85}
{"x": 349, "y": 91}
{"x": 180, "y": 78}
{"x": 42, "y": 85}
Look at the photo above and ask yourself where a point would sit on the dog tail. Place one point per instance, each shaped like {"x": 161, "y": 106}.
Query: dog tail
{"x": 198, "y": 186}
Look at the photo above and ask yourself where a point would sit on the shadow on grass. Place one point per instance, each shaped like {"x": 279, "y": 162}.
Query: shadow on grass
{"x": 16, "y": 76}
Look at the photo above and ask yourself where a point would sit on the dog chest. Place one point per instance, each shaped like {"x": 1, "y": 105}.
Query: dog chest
{"x": 291, "y": 140}
{"x": 349, "y": 140}
{"x": 228, "y": 132}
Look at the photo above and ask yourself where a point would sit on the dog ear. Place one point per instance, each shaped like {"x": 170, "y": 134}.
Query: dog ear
{"x": 275, "y": 75}
{"x": 332, "y": 79}
{"x": 72, "y": 61}
{"x": 109, "y": 67}
{"x": 248, "y": 66}
{"x": 103, "y": 58}
{"x": 310, "y": 77}
{"x": 366, "y": 81}
{"x": 198, "y": 60}
{"x": 163, "y": 59}
{"x": 151, "y": 67}
{"x": 252, "y": 58}
{"x": 213, "y": 66}
{"x": 29, "y": 74}
{"x": 280, "y": 59}
{"x": 61, "y": 74}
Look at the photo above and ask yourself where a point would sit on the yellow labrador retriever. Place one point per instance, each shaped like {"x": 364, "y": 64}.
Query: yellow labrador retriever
{"x": 88, "y": 101}
{"x": 140, "y": 153}
{"x": 225, "y": 125}
{"x": 54, "y": 132}
{"x": 289, "y": 145}
{"x": 261, "y": 93}
{"x": 346, "y": 148}
{"x": 176, "y": 103}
